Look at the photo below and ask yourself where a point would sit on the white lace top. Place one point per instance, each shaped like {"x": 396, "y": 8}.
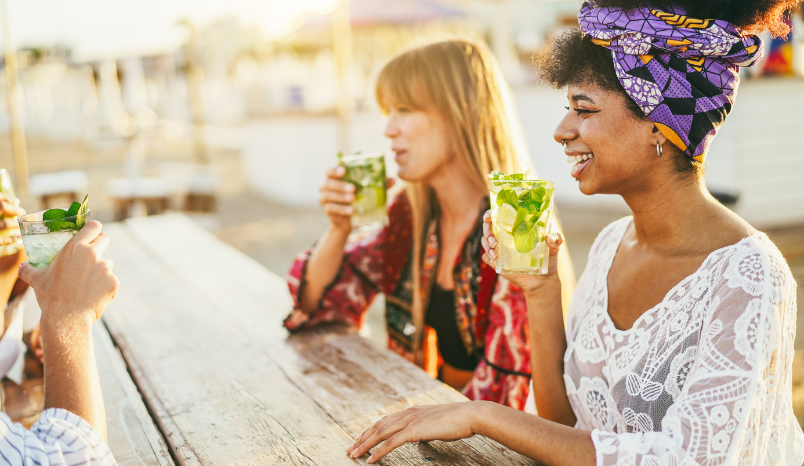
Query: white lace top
{"x": 703, "y": 378}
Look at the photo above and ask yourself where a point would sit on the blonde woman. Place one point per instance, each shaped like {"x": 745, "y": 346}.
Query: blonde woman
{"x": 450, "y": 124}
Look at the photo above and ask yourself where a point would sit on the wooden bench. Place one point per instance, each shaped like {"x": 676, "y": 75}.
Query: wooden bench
{"x": 199, "y": 326}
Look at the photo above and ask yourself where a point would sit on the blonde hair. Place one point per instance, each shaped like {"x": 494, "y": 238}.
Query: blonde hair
{"x": 460, "y": 79}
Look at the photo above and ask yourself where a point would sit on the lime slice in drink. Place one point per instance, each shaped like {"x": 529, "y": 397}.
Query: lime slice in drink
{"x": 506, "y": 215}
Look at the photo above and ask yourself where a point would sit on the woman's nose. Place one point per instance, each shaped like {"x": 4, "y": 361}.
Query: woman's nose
{"x": 391, "y": 127}
{"x": 566, "y": 130}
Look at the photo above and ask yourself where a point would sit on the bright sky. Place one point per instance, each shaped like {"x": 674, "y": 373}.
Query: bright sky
{"x": 115, "y": 28}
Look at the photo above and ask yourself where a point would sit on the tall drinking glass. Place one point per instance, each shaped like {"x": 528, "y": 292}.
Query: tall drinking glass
{"x": 521, "y": 216}
{"x": 44, "y": 239}
{"x": 10, "y": 239}
{"x": 367, "y": 173}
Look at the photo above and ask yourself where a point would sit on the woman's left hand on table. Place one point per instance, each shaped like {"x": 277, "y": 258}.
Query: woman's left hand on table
{"x": 448, "y": 422}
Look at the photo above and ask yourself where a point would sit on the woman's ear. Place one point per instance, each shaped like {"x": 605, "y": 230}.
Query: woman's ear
{"x": 657, "y": 137}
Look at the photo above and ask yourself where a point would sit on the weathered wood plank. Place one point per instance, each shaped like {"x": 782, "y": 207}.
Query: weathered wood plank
{"x": 132, "y": 435}
{"x": 217, "y": 398}
{"x": 352, "y": 380}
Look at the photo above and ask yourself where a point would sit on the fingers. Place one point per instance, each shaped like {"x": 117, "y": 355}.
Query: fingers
{"x": 100, "y": 243}
{"x": 368, "y": 433}
{"x": 337, "y": 186}
{"x": 391, "y": 443}
{"x": 380, "y": 432}
{"x": 88, "y": 234}
{"x": 389, "y": 183}
{"x": 30, "y": 274}
{"x": 9, "y": 206}
{"x": 336, "y": 197}
{"x": 554, "y": 242}
{"x": 336, "y": 173}
{"x": 8, "y": 223}
{"x": 338, "y": 209}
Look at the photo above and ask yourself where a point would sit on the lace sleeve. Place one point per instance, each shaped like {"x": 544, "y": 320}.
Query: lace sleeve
{"x": 733, "y": 407}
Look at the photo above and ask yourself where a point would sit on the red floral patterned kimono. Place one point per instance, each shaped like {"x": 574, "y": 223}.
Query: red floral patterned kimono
{"x": 490, "y": 311}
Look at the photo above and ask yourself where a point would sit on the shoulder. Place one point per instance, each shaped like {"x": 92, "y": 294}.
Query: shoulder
{"x": 757, "y": 267}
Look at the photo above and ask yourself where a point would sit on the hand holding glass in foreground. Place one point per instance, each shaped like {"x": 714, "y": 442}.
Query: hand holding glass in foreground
{"x": 73, "y": 292}
{"x": 528, "y": 283}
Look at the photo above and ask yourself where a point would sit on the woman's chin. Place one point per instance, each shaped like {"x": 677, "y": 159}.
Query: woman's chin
{"x": 586, "y": 187}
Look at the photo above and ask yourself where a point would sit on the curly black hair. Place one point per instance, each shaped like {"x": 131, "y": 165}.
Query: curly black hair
{"x": 573, "y": 59}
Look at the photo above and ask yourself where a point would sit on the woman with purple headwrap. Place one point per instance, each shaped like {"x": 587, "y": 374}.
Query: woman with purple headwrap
{"x": 678, "y": 346}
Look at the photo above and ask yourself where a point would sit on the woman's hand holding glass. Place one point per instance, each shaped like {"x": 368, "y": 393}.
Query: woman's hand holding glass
{"x": 336, "y": 197}
{"x": 528, "y": 283}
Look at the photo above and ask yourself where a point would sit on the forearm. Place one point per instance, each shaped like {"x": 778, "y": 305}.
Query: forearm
{"x": 548, "y": 442}
{"x": 323, "y": 266}
{"x": 547, "y": 346}
{"x": 71, "y": 374}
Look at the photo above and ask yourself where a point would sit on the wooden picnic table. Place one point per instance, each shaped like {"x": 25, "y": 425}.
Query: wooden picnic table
{"x": 198, "y": 324}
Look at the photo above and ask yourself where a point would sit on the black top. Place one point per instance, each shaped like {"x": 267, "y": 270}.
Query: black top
{"x": 441, "y": 317}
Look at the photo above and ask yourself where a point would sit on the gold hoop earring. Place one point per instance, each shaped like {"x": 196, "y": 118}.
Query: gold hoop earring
{"x": 659, "y": 150}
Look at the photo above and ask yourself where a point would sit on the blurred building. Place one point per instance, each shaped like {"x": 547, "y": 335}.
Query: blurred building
{"x": 276, "y": 100}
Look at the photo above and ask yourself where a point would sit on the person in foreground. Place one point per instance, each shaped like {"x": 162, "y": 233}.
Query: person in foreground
{"x": 679, "y": 340}
{"x": 450, "y": 124}
{"x": 72, "y": 292}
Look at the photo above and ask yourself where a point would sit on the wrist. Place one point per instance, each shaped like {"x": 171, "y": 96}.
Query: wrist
{"x": 480, "y": 412}
{"x": 537, "y": 289}
{"x": 75, "y": 323}
{"x": 342, "y": 230}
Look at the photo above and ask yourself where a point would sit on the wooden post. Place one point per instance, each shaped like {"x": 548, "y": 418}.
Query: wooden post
{"x": 194, "y": 87}
{"x": 342, "y": 49}
{"x": 13, "y": 99}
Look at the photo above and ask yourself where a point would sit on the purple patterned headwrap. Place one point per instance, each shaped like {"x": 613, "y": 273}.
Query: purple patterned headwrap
{"x": 681, "y": 71}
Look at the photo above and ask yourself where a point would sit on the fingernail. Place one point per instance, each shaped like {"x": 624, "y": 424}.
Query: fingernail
{"x": 370, "y": 459}
{"x": 21, "y": 264}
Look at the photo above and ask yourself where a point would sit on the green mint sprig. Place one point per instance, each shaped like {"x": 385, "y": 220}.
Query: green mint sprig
{"x": 53, "y": 217}
{"x": 531, "y": 207}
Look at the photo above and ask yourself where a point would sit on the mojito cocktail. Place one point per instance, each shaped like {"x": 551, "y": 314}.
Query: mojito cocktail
{"x": 521, "y": 216}
{"x": 10, "y": 239}
{"x": 45, "y": 233}
{"x": 367, "y": 173}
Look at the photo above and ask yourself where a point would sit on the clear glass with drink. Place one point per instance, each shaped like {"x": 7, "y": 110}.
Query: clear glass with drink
{"x": 45, "y": 233}
{"x": 10, "y": 239}
{"x": 521, "y": 217}
{"x": 367, "y": 173}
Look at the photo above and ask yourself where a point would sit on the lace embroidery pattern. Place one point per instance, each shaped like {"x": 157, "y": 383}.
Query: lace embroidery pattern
{"x": 703, "y": 378}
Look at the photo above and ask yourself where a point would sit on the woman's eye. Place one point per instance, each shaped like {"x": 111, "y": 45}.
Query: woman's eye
{"x": 580, "y": 111}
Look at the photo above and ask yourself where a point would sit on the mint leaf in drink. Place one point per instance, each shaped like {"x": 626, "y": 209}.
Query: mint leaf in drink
{"x": 73, "y": 210}
{"x": 81, "y": 219}
{"x": 54, "y": 214}
{"x": 61, "y": 225}
{"x": 527, "y": 235}
{"x": 516, "y": 176}
{"x": 507, "y": 196}
{"x": 496, "y": 175}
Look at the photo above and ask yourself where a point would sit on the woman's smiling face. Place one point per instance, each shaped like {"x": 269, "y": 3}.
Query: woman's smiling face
{"x": 609, "y": 149}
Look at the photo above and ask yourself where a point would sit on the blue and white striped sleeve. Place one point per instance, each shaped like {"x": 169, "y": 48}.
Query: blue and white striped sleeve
{"x": 58, "y": 438}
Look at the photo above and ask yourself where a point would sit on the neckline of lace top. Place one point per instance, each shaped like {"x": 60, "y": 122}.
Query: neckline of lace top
{"x": 607, "y": 259}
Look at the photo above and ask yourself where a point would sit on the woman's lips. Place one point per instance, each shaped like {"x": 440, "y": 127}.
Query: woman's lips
{"x": 399, "y": 154}
{"x": 578, "y": 168}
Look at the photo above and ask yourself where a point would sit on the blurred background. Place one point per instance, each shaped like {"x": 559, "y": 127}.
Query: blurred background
{"x": 230, "y": 110}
